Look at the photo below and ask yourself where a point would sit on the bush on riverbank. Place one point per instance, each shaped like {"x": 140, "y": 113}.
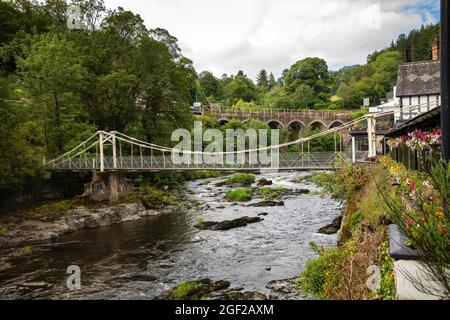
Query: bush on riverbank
{"x": 184, "y": 289}
{"x": 155, "y": 198}
{"x": 341, "y": 272}
{"x": 245, "y": 179}
{"x": 50, "y": 212}
{"x": 420, "y": 206}
{"x": 271, "y": 193}
{"x": 239, "y": 194}
{"x": 341, "y": 183}
{"x": 172, "y": 180}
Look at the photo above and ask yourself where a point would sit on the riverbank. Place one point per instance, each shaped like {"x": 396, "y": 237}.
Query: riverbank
{"x": 343, "y": 272}
{"x": 29, "y": 231}
{"x": 154, "y": 194}
{"x": 144, "y": 258}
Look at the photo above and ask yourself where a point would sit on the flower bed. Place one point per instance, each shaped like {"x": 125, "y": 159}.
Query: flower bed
{"x": 419, "y": 204}
{"x": 417, "y": 140}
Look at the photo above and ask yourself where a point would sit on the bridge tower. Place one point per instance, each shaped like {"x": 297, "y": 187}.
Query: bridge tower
{"x": 371, "y": 124}
{"x": 107, "y": 185}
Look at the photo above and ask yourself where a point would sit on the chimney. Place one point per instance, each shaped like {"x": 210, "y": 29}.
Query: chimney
{"x": 435, "y": 49}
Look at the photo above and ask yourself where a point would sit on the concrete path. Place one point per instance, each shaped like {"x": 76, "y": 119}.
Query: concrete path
{"x": 403, "y": 271}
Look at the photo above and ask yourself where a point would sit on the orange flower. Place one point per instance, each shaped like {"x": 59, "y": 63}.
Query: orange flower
{"x": 440, "y": 214}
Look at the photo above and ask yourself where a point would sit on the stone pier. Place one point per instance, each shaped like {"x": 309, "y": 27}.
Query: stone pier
{"x": 110, "y": 185}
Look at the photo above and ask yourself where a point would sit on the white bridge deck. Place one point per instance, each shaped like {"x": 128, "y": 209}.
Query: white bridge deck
{"x": 286, "y": 161}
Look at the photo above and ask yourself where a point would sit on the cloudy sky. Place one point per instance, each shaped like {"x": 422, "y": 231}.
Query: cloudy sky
{"x": 225, "y": 36}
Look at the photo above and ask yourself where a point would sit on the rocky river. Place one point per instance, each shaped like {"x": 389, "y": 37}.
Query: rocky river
{"x": 142, "y": 259}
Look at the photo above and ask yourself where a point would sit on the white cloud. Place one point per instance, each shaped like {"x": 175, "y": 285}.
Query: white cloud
{"x": 228, "y": 35}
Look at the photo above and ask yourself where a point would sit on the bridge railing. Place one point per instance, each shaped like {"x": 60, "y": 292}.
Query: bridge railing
{"x": 248, "y": 112}
{"x": 285, "y": 161}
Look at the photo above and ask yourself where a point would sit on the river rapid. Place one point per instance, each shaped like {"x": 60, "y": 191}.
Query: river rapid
{"x": 143, "y": 258}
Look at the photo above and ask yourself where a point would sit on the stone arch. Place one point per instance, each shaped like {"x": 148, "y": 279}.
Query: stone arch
{"x": 317, "y": 124}
{"x": 275, "y": 124}
{"x": 223, "y": 121}
{"x": 335, "y": 123}
{"x": 296, "y": 127}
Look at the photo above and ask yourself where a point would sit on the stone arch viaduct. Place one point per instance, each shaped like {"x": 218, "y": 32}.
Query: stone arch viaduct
{"x": 296, "y": 120}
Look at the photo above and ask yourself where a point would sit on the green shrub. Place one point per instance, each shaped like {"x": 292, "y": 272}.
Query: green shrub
{"x": 271, "y": 192}
{"x": 49, "y": 212}
{"x": 172, "y": 179}
{"x": 358, "y": 114}
{"x": 321, "y": 274}
{"x": 420, "y": 205}
{"x": 355, "y": 219}
{"x": 184, "y": 290}
{"x": 154, "y": 198}
{"x": 245, "y": 179}
{"x": 387, "y": 284}
{"x": 27, "y": 250}
{"x": 239, "y": 194}
{"x": 342, "y": 182}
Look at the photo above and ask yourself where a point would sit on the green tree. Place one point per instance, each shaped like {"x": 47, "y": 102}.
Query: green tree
{"x": 304, "y": 94}
{"x": 21, "y": 143}
{"x": 165, "y": 88}
{"x": 272, "y": 81}
{"x": 312, "y": 72}
{"x": 209, "y": 83}
{"x": 54, "y": 75}
{"x": 277, "y": 98}
{"x": 262, "y": 79}
{"x": 239, "y": 88}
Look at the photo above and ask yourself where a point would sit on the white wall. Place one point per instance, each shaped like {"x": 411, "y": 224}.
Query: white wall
{"x": 427, "y": 103}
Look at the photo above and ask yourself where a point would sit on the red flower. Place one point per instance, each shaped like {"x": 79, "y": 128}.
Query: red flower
{"x": 408, "y": 222}
{"x": 441, "y": 230}
{"x": 411, "y": 186}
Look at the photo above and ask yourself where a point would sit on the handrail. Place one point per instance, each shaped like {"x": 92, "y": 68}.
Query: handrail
{"x": 81, "y": 148}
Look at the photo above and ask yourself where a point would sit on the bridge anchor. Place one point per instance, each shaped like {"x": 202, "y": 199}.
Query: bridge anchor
{"x": 110, "y": 185}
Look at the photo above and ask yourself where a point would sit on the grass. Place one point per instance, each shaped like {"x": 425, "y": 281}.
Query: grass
{"x": 340, "y": 273}
{"x": 271, "y": 193}
{"x": 27, "y": 250}
{"x": 184, "y": 289}
{"x": 173, "y": 180}
{"x": 245, "y": 179}
{"x": 239, "y": 194}
{"x": 49, "y": 212}
{"x": 200, "y": 220}
{"x": 154, "y": 198}
{"x": 341, "y": 183}
{"x": 387, "y": 285}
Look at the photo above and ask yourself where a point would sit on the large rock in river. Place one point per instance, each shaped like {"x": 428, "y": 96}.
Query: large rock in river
{"x": 227, "y": 224}
{"x": 264, "y": 182}
{"x": 333, "y": 227}
{"x": 267, "y": 203}
{"x": 206, "y": 288}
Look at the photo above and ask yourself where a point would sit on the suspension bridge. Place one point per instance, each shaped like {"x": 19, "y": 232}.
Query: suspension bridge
{"x": 115, "y": 151}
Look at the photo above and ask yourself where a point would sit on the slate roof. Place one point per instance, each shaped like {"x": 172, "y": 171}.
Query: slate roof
{"x": 419, "y": 78}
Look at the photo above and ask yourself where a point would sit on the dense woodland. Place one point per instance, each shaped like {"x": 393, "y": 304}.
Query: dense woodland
{"x": 58, "y": 86}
